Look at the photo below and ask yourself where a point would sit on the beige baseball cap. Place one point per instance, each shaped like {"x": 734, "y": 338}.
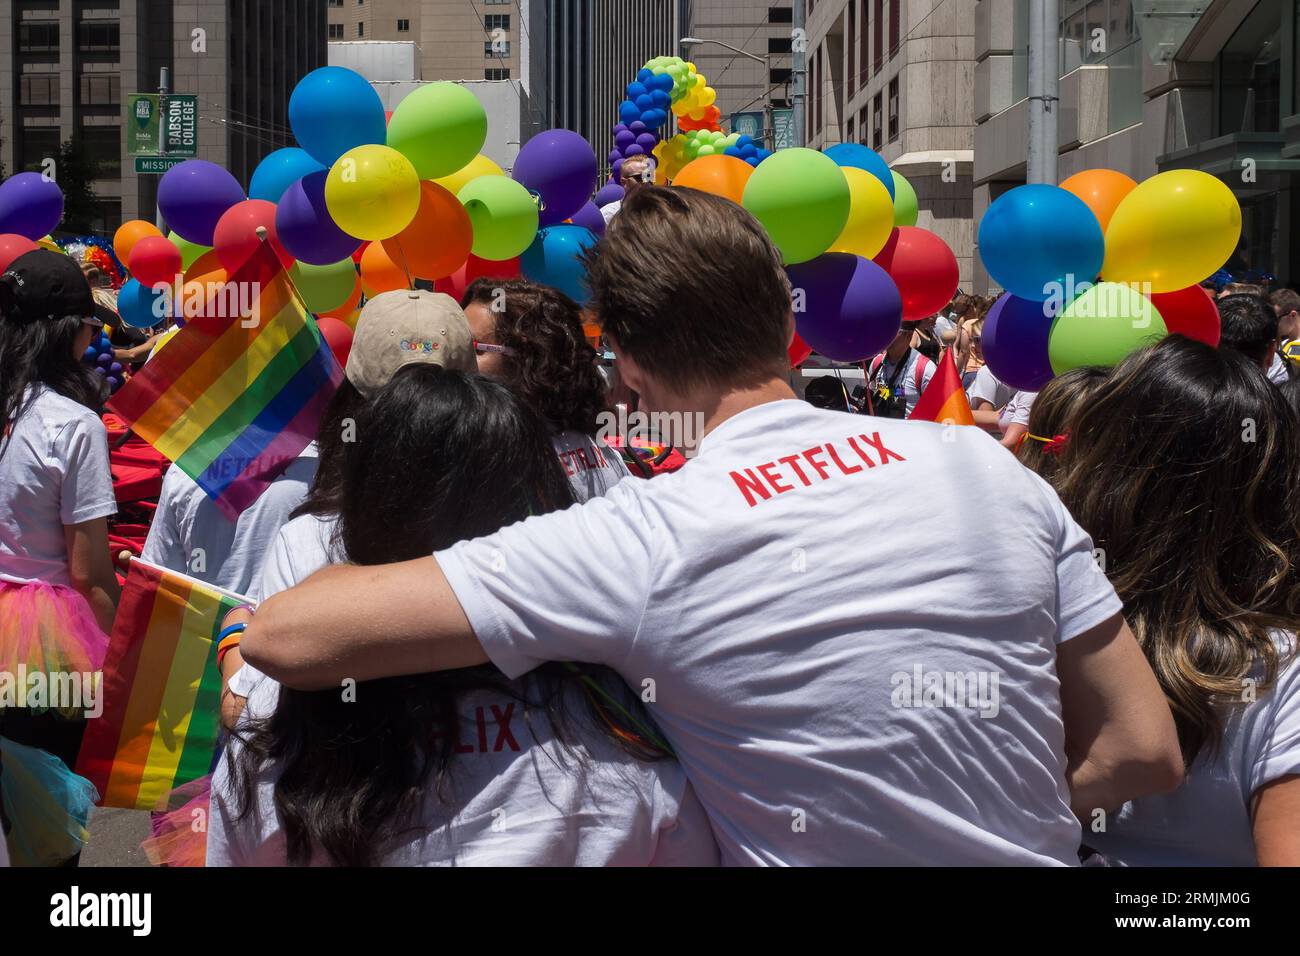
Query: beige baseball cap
{"x": 407, "y": 326}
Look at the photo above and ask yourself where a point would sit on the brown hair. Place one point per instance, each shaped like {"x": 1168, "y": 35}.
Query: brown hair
{"x": 551, "y": 366}
{"x": 690, "y": 286}
{"x": 1049, "y": 419}
{"x": 1182, "y": 470}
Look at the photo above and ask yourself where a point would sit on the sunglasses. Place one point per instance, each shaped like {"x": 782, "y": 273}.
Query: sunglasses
{"x": 484, "y": 347}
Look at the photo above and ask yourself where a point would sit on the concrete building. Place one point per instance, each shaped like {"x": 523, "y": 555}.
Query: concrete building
{"x": 1201, "y": 84}
{"x": 896, "y": 75}
{"x": 760, "y": 27}
{"x": 66, "y": 67}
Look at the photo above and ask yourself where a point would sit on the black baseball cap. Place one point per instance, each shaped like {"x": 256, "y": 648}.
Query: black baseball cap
{"x": 45, "y": 286}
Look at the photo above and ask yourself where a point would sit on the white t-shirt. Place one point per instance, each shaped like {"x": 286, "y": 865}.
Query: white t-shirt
{"x": 610, "y": 210}
{"x": 53, "y": 472}
{"x": 611, "y": 810}
{"x": 1207, "y": 821}
{"x": 1277, "y": 370}
{"x": 1016, "y": 411}
{"x": 190, "y": 534}
{"x": 906, "y": 379}
{"x": 591, "y": 466}
{"x": 987, "y": 388}
{"x": 782, "y": 591}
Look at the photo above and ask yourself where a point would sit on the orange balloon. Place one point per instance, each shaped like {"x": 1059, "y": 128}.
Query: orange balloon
{"x": 723, "y": 176}
{"x": 349, "y": 308}
{"x": 379, "y": 273}
{"x": 1101, "y": 189}
{"x": 202, "y": 285}
{"x": 438, "y": 240}
{"x": 128, "y": 234}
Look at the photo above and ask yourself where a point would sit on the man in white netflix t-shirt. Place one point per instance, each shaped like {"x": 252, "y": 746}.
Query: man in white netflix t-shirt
{"x": 840, "y": 685}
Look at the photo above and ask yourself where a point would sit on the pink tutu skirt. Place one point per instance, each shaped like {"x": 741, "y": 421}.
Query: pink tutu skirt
{"x": 179, "y": 826}
{"x": 48, "y": 629}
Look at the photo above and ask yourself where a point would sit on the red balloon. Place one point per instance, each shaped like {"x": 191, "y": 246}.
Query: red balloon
{"x": 799, "y": 351}
{"x": 12, "y": 246}
{"x": 361, "y": 251}
{"x": 475, "y": 268}
{"x": 1190, "y": 312}
{"x": 923, "y": 268}
{"x": 337, "y": 336}
{"x": 235, "y": 238}
{"x": 154, "y": 260}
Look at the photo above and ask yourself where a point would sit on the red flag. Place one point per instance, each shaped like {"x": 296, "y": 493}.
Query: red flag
{"x": 944, "y": 400}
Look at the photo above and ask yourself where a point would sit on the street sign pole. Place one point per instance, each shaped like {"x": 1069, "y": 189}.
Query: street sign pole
{"x": 164, "y": 83}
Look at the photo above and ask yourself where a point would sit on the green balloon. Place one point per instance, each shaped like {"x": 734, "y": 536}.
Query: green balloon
{"x": 190, "y": 251}
{"x": 905, "y": 210}
{"x": 802, "y": 199}
{"x": 324, "y": 287}
{"x": 439, "y": 127}
{"x": 1101, "y": 326}
{"x": 503, "y": 214}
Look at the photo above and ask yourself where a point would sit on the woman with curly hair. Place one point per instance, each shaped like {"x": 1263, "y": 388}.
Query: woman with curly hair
{"x": 1182, "y": 467}
{"x": 529, "y": 337}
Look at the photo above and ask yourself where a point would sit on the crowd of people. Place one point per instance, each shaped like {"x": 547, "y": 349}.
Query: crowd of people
{"x": 475, "y": 635}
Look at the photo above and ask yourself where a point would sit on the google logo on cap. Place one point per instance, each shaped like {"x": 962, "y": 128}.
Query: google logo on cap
{"x": 423, "y": 345}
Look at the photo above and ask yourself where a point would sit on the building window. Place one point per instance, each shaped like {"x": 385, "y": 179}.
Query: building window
{"x": 336, "y": 31}
{"x": 779, "y": 75}
{"x": 893, "y": 109}
{"x": 498, "y": 3}
{"x": 850, "y": 74}
{"x": 496, "y": 48}
{"x": 496, "y": 21}
{"x": 877, "y": 140}
{"x": 895, "y": 15}
{"x": 336, "y": 3}
{"x": 104, "y": 144}
{"x": 779, "y": 44}
{"x": 37, "y": 145}
{"x": 496, "y": 73}
{"x": 780, "y": 15}
{"x": 877, "y": 37}
{"x": 38, "y": 89}
{"x": 403, "y": 26}
{"x": 101, "y": 89}
{"x": 1250, "y": 73}
{"x": 99, "y": 36}
{"x": 38, "y": 36}
{"x": 361, "y": 29}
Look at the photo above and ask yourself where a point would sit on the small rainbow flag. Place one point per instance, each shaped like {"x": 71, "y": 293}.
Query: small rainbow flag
{"x": 238, "y": 392}
{"x": 944, "y": 400}
{"x": 161, "y": 689}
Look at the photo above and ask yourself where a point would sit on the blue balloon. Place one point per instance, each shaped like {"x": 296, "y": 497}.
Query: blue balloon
{"x": 855, "y": 154}
{"x": 644, "y": 76}
{"x": 628, "y": 112}
{"x": 140, "y": 306}
{"x": 279, "y": 171}
{"x": 333, "y": 110}
{"x": 660, "y": 99}
{"x": 643, "y": 101}
{"x": 1040, "y": 242}
{"x": 636, "y": 89}
{"x": 552, "y": 260}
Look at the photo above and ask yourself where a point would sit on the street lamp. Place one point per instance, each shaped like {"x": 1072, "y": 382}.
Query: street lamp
{"x": 766, "y": 60}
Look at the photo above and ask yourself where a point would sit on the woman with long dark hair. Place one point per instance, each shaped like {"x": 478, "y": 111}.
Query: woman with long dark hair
{"x": 58, "y": 591}
{"x": 1183, "y": 469}
{"x": 462, "y": 767}
{"x": 530, "y": 337}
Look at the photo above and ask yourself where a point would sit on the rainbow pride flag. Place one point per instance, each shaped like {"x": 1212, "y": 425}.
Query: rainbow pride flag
{"x": 944, "y": 400}
{"x": 238, "y": 393}
{"x": 161, "y": 689}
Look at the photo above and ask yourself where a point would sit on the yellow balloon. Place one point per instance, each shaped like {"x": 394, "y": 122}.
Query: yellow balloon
{"x": 871, "y": 215}
{"x": 49, "y": 243}
{"x": 480, "y": 165}
{"x": 372, "y": 192}
{"x": 1172, "y": 231}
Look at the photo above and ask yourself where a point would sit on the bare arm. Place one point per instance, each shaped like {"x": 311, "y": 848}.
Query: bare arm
{"x": 90, "y": 568}
{"x": 362, "y": 623}
{"x": 232, "y": 705}
{"x": 1277, "y": 822}
{"x": 1120, "y": 741}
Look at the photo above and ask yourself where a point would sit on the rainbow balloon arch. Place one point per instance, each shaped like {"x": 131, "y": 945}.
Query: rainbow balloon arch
{"x": 369, "y": 202}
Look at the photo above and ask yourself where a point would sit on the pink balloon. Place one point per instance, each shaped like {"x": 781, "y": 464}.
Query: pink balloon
{"x": 235, "y": 237}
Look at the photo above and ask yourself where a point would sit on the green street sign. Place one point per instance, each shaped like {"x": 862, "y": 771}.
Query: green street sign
{"x": 181, "y": 124}
{"x": 157, "y": 164}
{"x": 143, "y": 125}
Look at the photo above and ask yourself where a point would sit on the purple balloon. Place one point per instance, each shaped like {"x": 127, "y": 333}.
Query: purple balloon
{"x": 610, "y": 192}
{"x": 615, "y": 155}
{"x": 305, "y": 228}
{"x": 851, "y": 307}
{"x": 1014, "y": 342}
{"x": 589, "y": 217}
{"x": 30, "y": 205}
{"x": 625, "y": 138}
{"x": 647, "y": 141}
{"x": 194, "y": 195}
{"x": 633, "y": 150}
{"x": 559, "y": 166}
{"x": 637, "y": 126}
